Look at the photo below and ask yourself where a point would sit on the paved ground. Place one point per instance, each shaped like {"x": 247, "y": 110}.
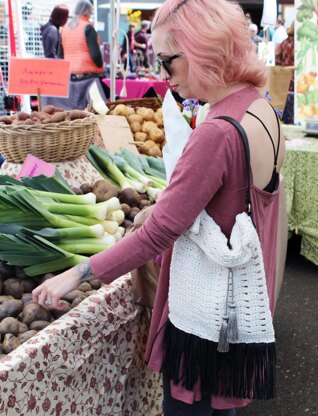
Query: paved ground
{"x": 296, "y": 325}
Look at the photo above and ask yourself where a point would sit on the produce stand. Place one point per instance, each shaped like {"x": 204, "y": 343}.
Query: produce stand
{"x": 88, "y": 362}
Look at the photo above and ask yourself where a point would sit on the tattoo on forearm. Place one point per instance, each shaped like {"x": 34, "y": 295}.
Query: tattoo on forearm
{"x": 84, "y": 270}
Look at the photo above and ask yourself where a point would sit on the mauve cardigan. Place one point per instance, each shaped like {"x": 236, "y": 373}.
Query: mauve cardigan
{"x": 209, "y": 175}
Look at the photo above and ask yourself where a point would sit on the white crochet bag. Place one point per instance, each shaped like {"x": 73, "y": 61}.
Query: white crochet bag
{"x": 220, "y": 332}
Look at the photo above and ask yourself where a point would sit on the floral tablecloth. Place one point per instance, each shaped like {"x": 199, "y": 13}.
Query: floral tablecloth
{"x": 88, "y": 362}
{"x": 300, "y": 172}
{"x": 76, "y": 172}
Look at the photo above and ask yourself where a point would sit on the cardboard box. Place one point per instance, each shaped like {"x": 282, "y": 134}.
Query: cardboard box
{"x": 116, "y": 133}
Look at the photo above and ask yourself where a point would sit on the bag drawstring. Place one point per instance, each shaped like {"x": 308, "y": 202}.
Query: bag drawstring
{"x": 228, "y": 331}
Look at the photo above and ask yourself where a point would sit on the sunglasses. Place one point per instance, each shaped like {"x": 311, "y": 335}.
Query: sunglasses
{"x": 165, "y": 63}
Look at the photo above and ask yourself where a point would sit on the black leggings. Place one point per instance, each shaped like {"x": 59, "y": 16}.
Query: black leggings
{"x": 173, "y": 407}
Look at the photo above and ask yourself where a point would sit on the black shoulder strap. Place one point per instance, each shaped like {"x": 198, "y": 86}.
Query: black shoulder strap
{"x": 243, "y": 136}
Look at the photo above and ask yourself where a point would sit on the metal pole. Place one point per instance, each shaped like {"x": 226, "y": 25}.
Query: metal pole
{"x": 112, "y": 45}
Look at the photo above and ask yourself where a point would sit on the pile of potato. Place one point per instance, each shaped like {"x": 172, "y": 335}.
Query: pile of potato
{"x": 131, "y": 201}
{"x": 20, "y": 317}
{"x": 49, "y": 114}
{"x": 146, "y": 126}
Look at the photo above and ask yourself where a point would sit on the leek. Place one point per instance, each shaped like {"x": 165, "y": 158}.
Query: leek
{"x": 79, "y": 248}
{"x": 130, "y": 171}
{"x": 97, "y": 211}
{"x": 93, "y": 231}
{"x": 88, "y": 198}
{"x": 105, "y": 163}
{"x": 109, "y": 226}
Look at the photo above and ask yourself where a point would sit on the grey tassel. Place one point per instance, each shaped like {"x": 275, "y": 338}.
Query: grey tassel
{"x": 232, "y": 330}
{"x": 223, "y": 345}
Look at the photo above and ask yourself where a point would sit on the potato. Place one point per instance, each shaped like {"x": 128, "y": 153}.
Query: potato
{"x": 148, "y": 115}
{"x": 147, "y": 126}
{"x": 77, "y": 114}
{"x": 76, "y": 301}
{"x": 140, "y": 136}
{"x": 57, "y": 313}
{"x": 6, "y": 120}
{"x": 86, "y": 188}
{"x": 4, "y": 298}
{"x": 9, "y": 325}
{"x": 85, "y": 287}
{"x": 10, "y": 343}
{"x": 34, "y": 312}
{"x": 95, "y": 283}
{"x": 49, "y": 109}
{"x": 147, "y": 145}
{"x": 39, "y": 325}
{"x": 22, "y": 116}
{"x": 141, "y": 111}
{"x": 27, "y": 335}
{"x": 23, "y": 327}
{"x": 29, "y": 122}
{"x": 27, "y": 285}
{"x": 10, "y": 308}
{"x": 135, "y": 127}
{"x": 155, "y": 151}
{"x": 121, "y": 110}
{"x": 69, "y": 297}
{"x": 27, "y": 298}
{"x": 58, "y": 117}
{"x": 158, "y": 120}
{"x": 12, "y": 287}
{"x": 159, "y": 112}
{"x": 135, "y": 117}
{"x": 130, "y": 111}
{"x": 156, "y": 135}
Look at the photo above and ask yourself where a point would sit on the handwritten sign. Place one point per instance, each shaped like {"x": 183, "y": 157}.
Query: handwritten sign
{"x": 39, "y": 76}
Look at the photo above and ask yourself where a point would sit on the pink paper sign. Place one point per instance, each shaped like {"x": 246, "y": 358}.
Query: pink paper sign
{"x": 33, "y": 166}
{"x": 39, "y": 76}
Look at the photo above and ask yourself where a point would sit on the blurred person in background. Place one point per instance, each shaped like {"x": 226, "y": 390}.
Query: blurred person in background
{"x": 80, "y": 46}
{"x": 284, "y": 56}
{"x": 131, "y": 48}
{"x": 51, "y": 31}
{"x": 253, "y": 29}
{"x": 280, "y": 32}
{"x": 141, "y": 43}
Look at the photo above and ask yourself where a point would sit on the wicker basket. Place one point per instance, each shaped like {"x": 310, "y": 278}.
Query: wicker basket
{"x": 55, "y": 142}
{"x": 149, "y": 102}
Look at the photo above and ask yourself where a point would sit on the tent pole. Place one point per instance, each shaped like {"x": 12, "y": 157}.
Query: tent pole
{"x": 112, "y": 45}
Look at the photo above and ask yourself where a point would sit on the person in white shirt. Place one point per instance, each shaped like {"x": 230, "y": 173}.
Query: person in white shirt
{"x": 280, "y": 33}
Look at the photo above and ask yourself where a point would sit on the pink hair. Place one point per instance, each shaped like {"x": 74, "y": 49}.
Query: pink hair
{"x": 213, "y": 36}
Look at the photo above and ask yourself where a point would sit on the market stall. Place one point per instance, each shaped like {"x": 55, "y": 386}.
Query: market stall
{"x": 300, "y": 175}
{"x": 90, "y": 360}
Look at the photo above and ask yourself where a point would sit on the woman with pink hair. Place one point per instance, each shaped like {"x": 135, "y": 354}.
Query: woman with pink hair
{"x": 204, "y": 51}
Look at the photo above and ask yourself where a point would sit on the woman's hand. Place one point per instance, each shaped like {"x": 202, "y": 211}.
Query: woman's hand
{"x": 49, "y": 293}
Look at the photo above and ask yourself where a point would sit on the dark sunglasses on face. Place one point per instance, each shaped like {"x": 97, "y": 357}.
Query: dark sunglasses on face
{"x": 165, "y": 63}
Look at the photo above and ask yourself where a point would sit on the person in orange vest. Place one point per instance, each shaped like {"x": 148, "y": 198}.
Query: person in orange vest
{"x": 80, "y": 46}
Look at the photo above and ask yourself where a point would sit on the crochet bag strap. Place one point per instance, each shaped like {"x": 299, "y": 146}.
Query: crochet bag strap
{"x": 243, "y": 137}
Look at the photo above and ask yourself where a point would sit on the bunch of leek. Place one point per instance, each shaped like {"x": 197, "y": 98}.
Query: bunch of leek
{"x": 127, "y": 170}
{"x": 59, "y": 223}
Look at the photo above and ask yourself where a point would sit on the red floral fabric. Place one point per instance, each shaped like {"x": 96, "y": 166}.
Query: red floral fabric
{"x": 88, "y": 362}
{"x": 76, "y": 172}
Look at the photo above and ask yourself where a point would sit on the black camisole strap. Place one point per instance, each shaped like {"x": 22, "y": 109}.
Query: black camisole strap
{"x": 272, "y": 141}
{"x": 270, "y": 187}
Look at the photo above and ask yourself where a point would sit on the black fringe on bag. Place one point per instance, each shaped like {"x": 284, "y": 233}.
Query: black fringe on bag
{"x": 246, "y": 371}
